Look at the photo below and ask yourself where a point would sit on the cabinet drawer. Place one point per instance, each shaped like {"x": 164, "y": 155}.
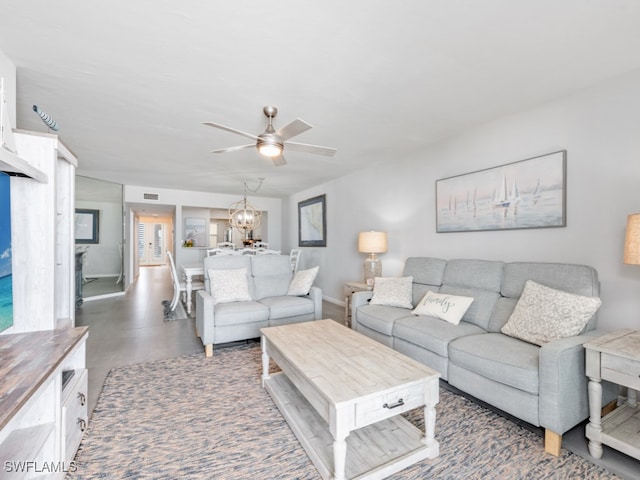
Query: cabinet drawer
{"x": 620, "y": 370}
{"x": 388, "y": 404}
{"x": 75, "y": 416}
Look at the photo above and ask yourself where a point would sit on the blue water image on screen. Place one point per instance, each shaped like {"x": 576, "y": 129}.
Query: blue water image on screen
{"x": 6, "y": 280}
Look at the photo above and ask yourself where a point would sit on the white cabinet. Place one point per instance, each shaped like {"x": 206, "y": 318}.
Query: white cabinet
{"x": 42, "y": 235}
{"x": 42, "y": 417}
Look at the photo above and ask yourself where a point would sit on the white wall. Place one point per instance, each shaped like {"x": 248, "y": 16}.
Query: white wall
{"x": 600, "y": 129}
{"x": 103, "y": 259}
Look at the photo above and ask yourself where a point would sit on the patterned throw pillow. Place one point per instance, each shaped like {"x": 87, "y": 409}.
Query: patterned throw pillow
{"x": 392, "y": 292}
{"x": 302, "y": 281}
{"x": 229, "y": 285}
{"x": 543, "y": 314}
{"x": 441, "y": 305}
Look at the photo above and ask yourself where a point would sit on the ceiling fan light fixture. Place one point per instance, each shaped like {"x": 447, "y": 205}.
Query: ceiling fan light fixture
{"x": 269, "y": 147}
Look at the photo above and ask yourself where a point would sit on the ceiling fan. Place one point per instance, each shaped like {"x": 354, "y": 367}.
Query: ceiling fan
{"x": 271, "y": 142}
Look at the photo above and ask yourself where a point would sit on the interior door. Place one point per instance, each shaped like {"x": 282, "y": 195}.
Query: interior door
{"x": 152, "y": 243}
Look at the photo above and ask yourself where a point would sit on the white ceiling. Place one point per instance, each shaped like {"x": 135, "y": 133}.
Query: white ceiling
{"x": 129, "y": 82}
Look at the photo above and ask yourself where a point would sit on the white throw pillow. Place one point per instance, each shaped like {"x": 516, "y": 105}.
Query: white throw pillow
{"x": 543, "y": 314}
{"x": 302, "y": 281}
{"x": 392, "y": 292}
{"x": 441, "y": 305}
{"x": 229, "y": 285}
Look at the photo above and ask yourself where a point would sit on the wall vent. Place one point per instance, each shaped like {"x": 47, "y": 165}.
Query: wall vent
{"x": 150, "y": 196}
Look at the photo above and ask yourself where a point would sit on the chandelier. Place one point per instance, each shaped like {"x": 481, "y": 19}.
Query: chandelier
{"x": 242, "y": 215}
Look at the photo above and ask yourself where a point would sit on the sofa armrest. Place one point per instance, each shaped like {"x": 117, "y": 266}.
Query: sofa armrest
{"x": 315, "y": 294}
{"x": 564, "y": 400}
{"x": 358, "y": 299}
{"x": 205, "y": 317}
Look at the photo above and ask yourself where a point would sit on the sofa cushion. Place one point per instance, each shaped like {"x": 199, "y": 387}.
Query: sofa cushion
{"x": 392, "y": 292}
{"x": 287, "y": 306}
{"x": 476, "y": 274}
{"x": 544, "y": 314}
{"x": 578, "y": 279}
{"x": 228, "y": 262}
{"x": 498, "y": 357}
{"x": 380, "y": 318}
{"x": 446, "y": 307}
{"x": 302, "y": 281}
{"x": 432, "y": 333}
{"x": 484, "y": 302}
{"x": 271, "y": 275}
{"x": 427, "y": 275}
{"x": 236, "y": 313}
{"x": 229, "y": 285}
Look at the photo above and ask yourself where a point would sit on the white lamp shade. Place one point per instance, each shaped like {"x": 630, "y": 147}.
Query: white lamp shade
{"x": 632, "y": 240}
{"x": 372, "y": 242}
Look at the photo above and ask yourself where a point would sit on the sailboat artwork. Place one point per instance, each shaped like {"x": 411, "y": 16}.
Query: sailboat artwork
{"x": 525, "y": 194}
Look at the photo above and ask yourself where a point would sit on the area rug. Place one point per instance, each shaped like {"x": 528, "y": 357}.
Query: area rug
{"x": 193, "y": 417}
{"x": 171, "y": 315}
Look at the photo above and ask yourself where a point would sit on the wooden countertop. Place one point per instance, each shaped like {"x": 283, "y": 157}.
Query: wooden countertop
{"x": 27, "y": 360}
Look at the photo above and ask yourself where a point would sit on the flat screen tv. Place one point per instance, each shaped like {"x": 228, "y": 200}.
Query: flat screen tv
{"x": 6, "y": 279}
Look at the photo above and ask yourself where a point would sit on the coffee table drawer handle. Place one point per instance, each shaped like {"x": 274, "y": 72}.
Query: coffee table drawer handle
{"x": 399, "y": 403}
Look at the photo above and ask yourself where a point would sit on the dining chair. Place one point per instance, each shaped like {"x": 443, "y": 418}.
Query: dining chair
{"x": 180, "y": 286}
{"x": 294, "y": 256}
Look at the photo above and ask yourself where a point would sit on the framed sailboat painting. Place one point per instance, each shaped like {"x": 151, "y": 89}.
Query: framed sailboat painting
{"x": 528, "y": 193}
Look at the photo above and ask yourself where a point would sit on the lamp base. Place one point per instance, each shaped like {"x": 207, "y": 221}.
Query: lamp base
{"x": 372, "y": 268}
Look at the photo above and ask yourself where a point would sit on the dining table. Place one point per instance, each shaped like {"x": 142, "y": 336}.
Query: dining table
{"x": 189, "y": 270}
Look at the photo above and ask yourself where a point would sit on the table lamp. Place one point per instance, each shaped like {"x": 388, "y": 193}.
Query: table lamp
{"x": 372, "y": 243}
{"x": 632, "y": 240}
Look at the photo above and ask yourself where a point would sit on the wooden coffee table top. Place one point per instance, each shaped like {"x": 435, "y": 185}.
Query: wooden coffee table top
{"x": 342, "y": 363}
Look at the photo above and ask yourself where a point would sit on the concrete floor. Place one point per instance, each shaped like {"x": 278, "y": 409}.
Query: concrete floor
{"x": 129, "y": 329}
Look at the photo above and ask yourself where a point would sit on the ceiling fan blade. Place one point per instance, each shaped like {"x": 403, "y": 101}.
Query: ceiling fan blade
{"x": 305, "y": 147}
{"x": 232, "y": 130}
{"x": 293, "y": 128}
{"x": 233, "y": 149}
{"x": 279, "y": 160}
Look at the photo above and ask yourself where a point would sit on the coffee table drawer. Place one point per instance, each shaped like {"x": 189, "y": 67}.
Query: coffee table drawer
{"x": 624, "y": 371}
{"x": 388, "y": 404}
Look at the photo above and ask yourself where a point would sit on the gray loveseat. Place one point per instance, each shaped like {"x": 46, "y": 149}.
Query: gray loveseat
{"x": 543, "y": 385}
{"x": 267, "y": 278}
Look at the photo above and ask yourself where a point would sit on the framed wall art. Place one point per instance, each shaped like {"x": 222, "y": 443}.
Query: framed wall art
{"x": 529, "y": 193}
{"x": 87, "y": 225}
{"x": 194, "y": 232}
{"x": 312, "y": 222}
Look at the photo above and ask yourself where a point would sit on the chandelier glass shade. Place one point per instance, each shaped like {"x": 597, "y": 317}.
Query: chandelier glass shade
{"x": 243, "y": 216}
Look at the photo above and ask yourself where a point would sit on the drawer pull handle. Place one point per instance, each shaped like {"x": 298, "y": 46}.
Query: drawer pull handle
{"x": 83, "y": 398}
{"x": 399, "y": 403}
{"x": 83, "y": 424}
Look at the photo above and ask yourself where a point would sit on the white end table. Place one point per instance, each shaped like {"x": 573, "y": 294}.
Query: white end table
{"x": 349, "y": 289}
{"x": 614, "y": 357}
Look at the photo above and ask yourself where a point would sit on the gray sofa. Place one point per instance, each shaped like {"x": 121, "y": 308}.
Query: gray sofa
{"x": 268, "y": 278}
{"x": 544, "y": 386}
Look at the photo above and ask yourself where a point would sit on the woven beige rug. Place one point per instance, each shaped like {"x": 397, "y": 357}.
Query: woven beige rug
{"x": 209, "y": 418}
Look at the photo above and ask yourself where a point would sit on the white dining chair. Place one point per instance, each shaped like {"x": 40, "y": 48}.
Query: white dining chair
{"x": 180, "y": 286}
{"x": 294, "y": 256}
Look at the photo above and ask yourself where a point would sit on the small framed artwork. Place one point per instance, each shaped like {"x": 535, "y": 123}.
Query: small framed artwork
{"x": 87, "y": 225}
{"x": 528, "y": 193}
{"x": 194, "y": 232}
{"x": 312, "y": 222}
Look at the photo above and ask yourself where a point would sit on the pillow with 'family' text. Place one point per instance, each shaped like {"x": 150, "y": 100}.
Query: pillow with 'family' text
{"x": 229, "y": 285}
{"x": 543, "y": 314}
{"x": 444, "y": 306}
{"x": 392, "y": 292}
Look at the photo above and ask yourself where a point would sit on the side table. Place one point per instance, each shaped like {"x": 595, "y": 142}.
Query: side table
{"x": 349, "y": 289}
{"x": 614, "y": 357}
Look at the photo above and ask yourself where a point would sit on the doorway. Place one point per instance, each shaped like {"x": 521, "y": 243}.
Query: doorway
{"x": 152, "y": 243}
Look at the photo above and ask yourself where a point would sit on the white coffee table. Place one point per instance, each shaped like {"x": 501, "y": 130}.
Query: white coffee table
{"x": 342, "y": 393}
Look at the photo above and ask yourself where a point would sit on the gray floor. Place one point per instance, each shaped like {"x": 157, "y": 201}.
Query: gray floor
{"x": 129, "y": 329}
